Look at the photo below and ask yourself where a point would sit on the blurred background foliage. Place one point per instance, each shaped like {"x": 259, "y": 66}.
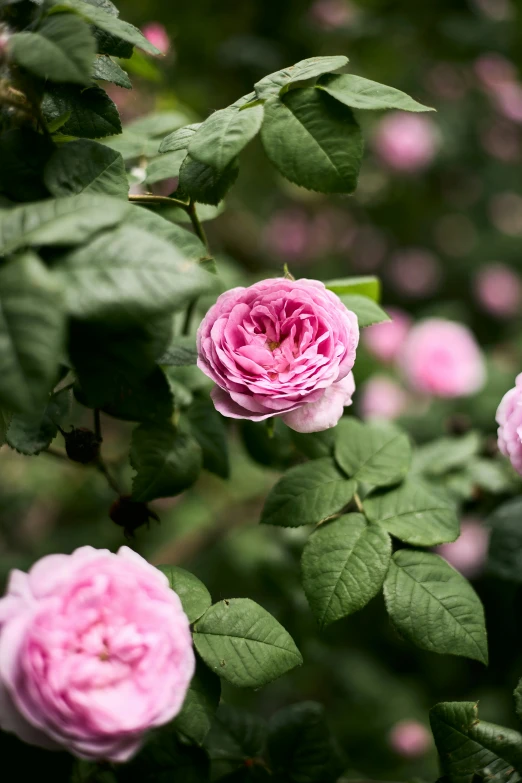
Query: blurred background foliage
{"x": 443, "y": 231}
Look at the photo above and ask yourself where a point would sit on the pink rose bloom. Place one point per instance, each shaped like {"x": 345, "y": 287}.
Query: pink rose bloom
{"x": 498, "y": 290}
{"x": 441, "y": 358}
{"x": 410, "y": 739}
{"x": 468, "y": 553}
{"x": 280, "y": 348}
{"x": 382, "y": 398}
{"x": 385, "y": 340}
{"x": 509, "y": 419}
{"x": 95, "y": 650}
{"x": 406, "y": 142}
{"x": 157, "y": 35}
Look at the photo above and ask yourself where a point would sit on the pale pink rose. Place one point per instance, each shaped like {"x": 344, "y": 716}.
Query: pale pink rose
{"x": 509, "y": 419}
{"x": 406, "y": 142}
{"x": 410, "y": 739}
{"x": 498, "y": 290}
{"x": 468, "y": 553}
{"x": 95, "y": 650}
{"x": 442, "y": 359}
{"x": 415, "y": 272}
{"x": 332, "y": 14}
{"x": 157, "y": 35}
{"x": 382, "y": 398}
{"x": 277, "y": 347}
{"x": 385, "y": 340}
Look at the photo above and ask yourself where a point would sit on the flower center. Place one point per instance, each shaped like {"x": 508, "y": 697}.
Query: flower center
{"x": 272, "y": 344}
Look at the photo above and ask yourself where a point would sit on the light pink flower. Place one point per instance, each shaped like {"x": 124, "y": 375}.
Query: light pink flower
{"x": 468, "y": 553}
{"x": 157, "y": 35}
{"x": 442, "y": 359}
{"x": 382, "y": 398}
{"x": 415, "y": 272}
{"x": 332, "y": 14}
{"x": 493, "y": 70}
{"x": 278, "y": 347}
{"x": 95, "y": 650}
{"x": 509, "y": 419}
{"x": 410, "y": 739}
{"x": 385, "y": 340}
{"x": 498, "y": 290}
{"x": 406, "y": 142}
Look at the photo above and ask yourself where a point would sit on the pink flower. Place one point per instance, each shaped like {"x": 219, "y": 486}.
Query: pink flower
{"x": 280, "y": 348}
{"x": 157, "y": 35}
{"x": 415, "y": 272}
{"x": 410, "y": 739}
{"x": 493, "y": 70}
{"x": 332, "y": 14}
{"x": 441, "y": 358}
{"x": 498, "y": 290}
{"x": 95, "y": 650}
{"x": 406, "y": 142}
{"x": 385, "y": 340}
{"x": 468, "y": 553}
{"x": 509, "y": 419}
{"x": 382, "y": 398}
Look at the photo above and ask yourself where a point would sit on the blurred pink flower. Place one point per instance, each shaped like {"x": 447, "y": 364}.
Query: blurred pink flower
{"x": 410, "y": 739}
{"x": 508, "y": 98}
{"x": 445, "y": 81}
{"x": 455, "y": 235}
{"x": 385, "y": 340}
{"x": 493, "y": 69}
{"x": 292, "y": 234}
{"x": 382, "y": 398}
{"x": 332, "y": 14}
{"x": 498, "y": 10}
{"x": 406, "y": 142}
{"x": 156, "y": 33}
{"x": 468, "y": 553}
{"x": 499, "y": 290}
{"x": 415, "y": 272}
{"x": 368, "y": 249}
{"x": 509, "y": 419}
{"x": 506, "y": 213}
{"x": 441, "y": 358}
{"x": 501, "y": 140}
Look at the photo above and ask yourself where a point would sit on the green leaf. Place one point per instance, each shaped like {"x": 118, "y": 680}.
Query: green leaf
{"x": 182, "y": 239}
{"x": 5, "y": 418}
{"x": 31, "y": 433}
{"x": 165, "y": 166}
{"x": 314, "y": 444}
{"x": 367, "y": 311}
{"x": 158, "y": 123}
{"x": 105, "y": 69}
{"x": 242, "y": 643}
{"x": 128, "y": 274}
{"x": 32, "y": 327}
{"x": 433, "y": 606}
{"x": 179, "y": 139}
{"x": 62, "y": 50}
{"x": 376, "y": 454}
{"x": 181, "y": 352}
{"x": 23, "y": 153}
{"x": 200, "y": 705}
{"x": 313, "y": 141}
{"x": 146, "y": 400}
{"x": 446, "y": 454}
{"x": 505, "y": 543}
{"x": 203, "y": 183}
{"x": 223, "y": 135}
{"x": 360, "y": 93}
{"x": 166, "y": 461}
{"x": 132, "y": 145}
{"x": 235, "y": 736}
{"x": 274, "y": 83}
{"x": 107, "y": 22}
{"x": 192, "y": 593}
{"x": 308, "y": 494}
{"x": 86, "y": 167}
{"x": 209, "y": 429}
{"x": 92, "y": 113}
{"x": 368, "y": 286}
{"x": 415, "y": 513}
{"x": 68, "y": 221}
{"x": 468, "y": 746}
{"x": 300, "y": 746}
{"x": 344, "y": 564}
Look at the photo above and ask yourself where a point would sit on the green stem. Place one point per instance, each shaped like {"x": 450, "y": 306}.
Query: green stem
{"x": 97, "y": 424}
{"x": 148, "y": 198}
{"x": 200, "y": 233}
{"x": 358, "y": 503}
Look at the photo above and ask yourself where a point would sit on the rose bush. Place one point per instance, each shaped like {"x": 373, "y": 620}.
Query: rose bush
{"x": 280, "y": 348}
{"x": 95, "y": 651}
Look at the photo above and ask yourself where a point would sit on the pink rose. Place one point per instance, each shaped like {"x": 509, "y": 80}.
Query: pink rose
{"x": 509, "y": 419}
{"x": 468, "y": 553}
{"x": 280, "y": 348}
{"x": 406, "y": 142}
{"x": 441, "y": 358}
{"x": 157, "y": 35}
{"x": 95, "y": 650}
{"x": 498, "y": 290}
{"x": 410, "y": 739}
{"x": 385, "y": 340}
{"x": 382, "y": 398}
